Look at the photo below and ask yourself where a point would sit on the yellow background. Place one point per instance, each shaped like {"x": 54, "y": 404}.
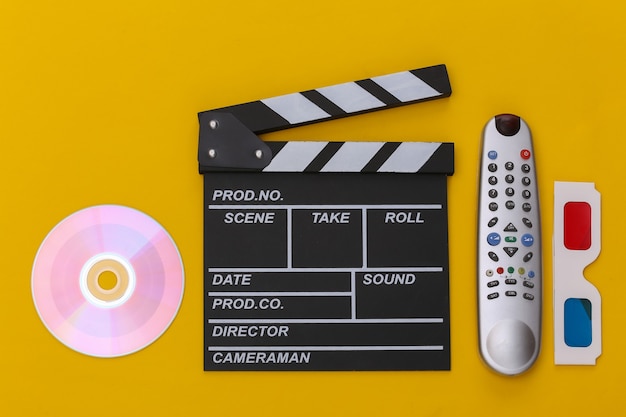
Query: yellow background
{"x": 98, "y": 104}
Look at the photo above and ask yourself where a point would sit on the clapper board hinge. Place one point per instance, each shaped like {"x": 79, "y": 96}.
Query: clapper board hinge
{"x": 228, "y": 136}
{"x": 226, "y": 143}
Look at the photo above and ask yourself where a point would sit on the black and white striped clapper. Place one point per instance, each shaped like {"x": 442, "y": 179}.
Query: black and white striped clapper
{"x": 398, "y": 157}
{"x": 323, "y": 255}
{"x": 228, "y": 136}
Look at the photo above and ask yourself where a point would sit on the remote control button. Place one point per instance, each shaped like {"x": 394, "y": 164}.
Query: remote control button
{"x": 525, "y": 154}
{"x": 509, "y": 192}
{"x": 529, "y": 296}
{"x": 526, "y": 207}
{"x": 510, "y": 228}
{"x": 528, "y": 257}
{"x": 489, "y": 273}
{"x": 492, "y": 222}
{"x": 529, "y": 284}
{"x": 511, "y": 251}
{"x": 492, "y": 155}
{"x": 492, "y": 284}
{"x": 493, "y": 239}
{"x": 493, "y": 193}
{"x": 493, "y": 295}
{"x": 510, "y": 205}
{"x": 509, "y": 166}
{"x": 527, "y": 223}
{"x": 510, "y": 239}
{"x": 500, "y": 270}
{"x": 507, "y": 124}
{"x": 510, "y": 270}
{"x": 493, "y": 180}
{"x": 521, "y": 271}
{"x": 493, "y": 206}
{"x": 509, "y": 179}
{"x": 531, "y": 274}
{"x": 493, "y": 256}
{"x": 528, "y": 240}
{"x": 525, "y": 168}
{"x": 526, "y": 194}
{"x": 492, "y": 167}
{"x": 511, "y": 293}
{"x": 526, "y": 181}
{"x": 510, "y": 281}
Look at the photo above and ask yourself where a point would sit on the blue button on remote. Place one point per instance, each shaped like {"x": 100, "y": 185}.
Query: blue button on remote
{"x": 528, "y": 240}
{"x": 494, "y": 239}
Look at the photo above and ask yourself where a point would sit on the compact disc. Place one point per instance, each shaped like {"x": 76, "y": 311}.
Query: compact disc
{"x": 107, "y": 281}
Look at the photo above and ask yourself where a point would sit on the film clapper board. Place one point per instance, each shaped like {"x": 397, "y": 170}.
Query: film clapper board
{"x": 325, "y": 255}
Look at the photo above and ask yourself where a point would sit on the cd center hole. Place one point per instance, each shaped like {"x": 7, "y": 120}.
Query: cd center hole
{"x": 107, "y": 280}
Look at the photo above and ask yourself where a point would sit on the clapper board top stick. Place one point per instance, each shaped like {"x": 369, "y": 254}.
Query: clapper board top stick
{"x": 228, "y": 136}
{"x": 325, "y": 255}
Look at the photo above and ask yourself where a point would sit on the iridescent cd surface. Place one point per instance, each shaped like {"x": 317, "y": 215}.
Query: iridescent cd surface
{"x": 107, "y": 281}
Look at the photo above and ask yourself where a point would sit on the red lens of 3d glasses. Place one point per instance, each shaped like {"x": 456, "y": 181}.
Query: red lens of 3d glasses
{"x": 577, "y": 226}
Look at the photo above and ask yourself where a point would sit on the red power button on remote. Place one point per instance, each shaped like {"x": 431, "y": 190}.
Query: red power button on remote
{"x": 525, "y": 154}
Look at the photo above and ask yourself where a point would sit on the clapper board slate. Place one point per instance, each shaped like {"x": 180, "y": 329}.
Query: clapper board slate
{"x": 325, "y": 255}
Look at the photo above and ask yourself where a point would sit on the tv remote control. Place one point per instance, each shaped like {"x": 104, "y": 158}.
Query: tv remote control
{"x": 509, "y": 248}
